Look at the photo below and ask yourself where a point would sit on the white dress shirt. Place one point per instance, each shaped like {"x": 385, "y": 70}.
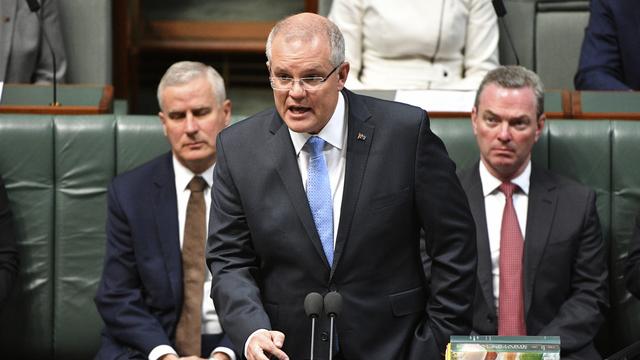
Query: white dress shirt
{"x": 210, "y": 322}
{"x": 494, "y": 201}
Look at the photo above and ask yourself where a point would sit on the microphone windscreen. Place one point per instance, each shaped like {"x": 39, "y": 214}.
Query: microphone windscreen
{"x": 498, "y": 6}
{"x": 33, "y": 6}
{"x": 313, "y": 304}
{"x": 332, "y": 303}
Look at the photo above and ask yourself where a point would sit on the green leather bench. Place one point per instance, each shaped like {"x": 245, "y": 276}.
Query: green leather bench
{"x": 57, "y": 169}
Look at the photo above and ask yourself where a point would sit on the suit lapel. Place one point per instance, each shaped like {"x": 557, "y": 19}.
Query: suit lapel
{"x": 359, "y": 139}
{"x": 542, "y": 206}
{"x": 284, "y": 157}
{"x": 473, "y": 187}
{"x": 165, "y": 209}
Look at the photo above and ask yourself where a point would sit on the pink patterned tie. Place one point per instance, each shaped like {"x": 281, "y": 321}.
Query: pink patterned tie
{"x": 511, "y": 300}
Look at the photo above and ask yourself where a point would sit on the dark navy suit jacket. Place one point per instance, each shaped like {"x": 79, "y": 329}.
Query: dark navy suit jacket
{"x": 565, "y": 268}
{"x": 610, "y": 58}
{"x": 140, "y": 294}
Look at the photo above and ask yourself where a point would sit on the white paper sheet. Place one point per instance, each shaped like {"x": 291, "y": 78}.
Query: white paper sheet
{"x": 438, "y": 100}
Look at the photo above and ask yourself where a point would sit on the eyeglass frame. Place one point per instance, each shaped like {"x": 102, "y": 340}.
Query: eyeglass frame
{"x": 302, "y": 80}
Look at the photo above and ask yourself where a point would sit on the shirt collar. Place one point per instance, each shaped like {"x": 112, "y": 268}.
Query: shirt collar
{"x": 184, "y": 175}
{"x": 333, "y": 132}
{"x": 490, "y": 183}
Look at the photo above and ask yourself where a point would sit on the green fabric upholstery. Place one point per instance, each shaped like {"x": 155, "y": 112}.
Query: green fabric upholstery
{"x": 57, "y": 170}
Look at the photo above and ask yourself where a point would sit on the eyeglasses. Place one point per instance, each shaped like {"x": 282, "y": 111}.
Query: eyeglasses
{"x": 307, "y": 83}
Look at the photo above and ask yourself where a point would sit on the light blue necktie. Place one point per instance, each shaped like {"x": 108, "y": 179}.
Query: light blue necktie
{"x": 319, "y": 195}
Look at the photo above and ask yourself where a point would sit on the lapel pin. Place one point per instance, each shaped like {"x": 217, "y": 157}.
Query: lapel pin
{"x": 361, "y": 137}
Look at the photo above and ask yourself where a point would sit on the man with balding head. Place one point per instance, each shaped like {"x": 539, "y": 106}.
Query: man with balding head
{"x": 328, "y": 192}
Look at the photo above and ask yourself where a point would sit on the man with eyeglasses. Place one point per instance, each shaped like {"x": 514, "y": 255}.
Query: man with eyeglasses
{"x": 328, "y": 192}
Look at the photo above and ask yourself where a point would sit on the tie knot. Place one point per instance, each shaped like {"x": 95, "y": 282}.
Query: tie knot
{"x": 508, "y": 188}
{"x": 197, "y": 184}
{"x": 316, "y": 145}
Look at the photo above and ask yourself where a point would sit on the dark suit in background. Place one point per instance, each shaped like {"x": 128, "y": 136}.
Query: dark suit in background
{"x": 564, "y": 271}
{"x": 632, "y": 269}
{"x": 8, "y": 247}
{"x": 610, "y": 58}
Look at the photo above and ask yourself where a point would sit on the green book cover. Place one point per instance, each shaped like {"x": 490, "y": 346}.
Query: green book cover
{"x": 488, "y": 347}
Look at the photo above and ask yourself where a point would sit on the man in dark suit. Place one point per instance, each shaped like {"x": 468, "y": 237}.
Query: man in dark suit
{"x": 380, "y": 175}
{"x": 610, "y": 58}
{"x": 143, "y": 297}
{"x": 541, "y": 259}
{"x": 8, "y": 247}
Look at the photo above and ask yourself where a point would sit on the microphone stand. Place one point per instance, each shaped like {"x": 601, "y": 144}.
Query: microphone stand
{"x": 53, "y": 59}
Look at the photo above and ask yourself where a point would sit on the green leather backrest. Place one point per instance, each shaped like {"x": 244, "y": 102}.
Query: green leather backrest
{"x": 84, "y": 165}
{"x": 625, "y": 205}
{"x": 139, "y": 138}
{"x": 27, "y": 165}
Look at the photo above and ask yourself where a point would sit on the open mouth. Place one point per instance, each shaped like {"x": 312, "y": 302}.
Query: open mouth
{"x": 299, "y": 110}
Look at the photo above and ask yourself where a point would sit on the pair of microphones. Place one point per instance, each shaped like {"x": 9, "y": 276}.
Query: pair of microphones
{"x": 314, "y": 304}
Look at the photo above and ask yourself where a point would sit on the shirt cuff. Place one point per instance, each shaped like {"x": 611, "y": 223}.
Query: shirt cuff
{"x": 225, "y": 350}
{"x": 161, "y": 350}
{"x": 246, "y": 343}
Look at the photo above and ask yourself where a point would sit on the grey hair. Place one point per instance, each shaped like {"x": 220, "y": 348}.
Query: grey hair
{"x": 295, "y": 30}
{"x": 184, "y": 72}
{"x": 514, "y": 77}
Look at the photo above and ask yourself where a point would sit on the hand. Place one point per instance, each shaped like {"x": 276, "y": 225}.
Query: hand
{"x": 220, "y": 356}
{"x": 265, "y": 343}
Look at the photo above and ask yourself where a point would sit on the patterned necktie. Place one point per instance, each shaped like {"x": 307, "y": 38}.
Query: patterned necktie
{"x": 319, "y": 195}
{"x": 511, "y": 300}
{"x": 188, "y": 334}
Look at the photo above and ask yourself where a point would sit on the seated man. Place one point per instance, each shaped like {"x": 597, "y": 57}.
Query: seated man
{"x": 541, "y": 259}
{"x": 632, "y": 269}
{"x": 610, "y": 58}
{"x": 153, "y": 296}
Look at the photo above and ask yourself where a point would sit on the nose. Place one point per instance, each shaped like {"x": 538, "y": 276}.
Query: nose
{"x": 297, "y": 91}
{"x": 505, "y": 134}
{"x": 191, "y": 123}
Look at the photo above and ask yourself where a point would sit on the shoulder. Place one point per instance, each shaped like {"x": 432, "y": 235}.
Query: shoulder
{"x": 250, "y": 126}
{"x": 383, "y": 111}
{"x": 145, "y": 173}
{"x": 565, "y": 186}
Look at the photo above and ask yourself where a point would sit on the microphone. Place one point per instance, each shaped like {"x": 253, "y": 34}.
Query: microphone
{"x": 332, "y": 307}
{"x": 501, "y": 11}
{"x": 34, "y": 7}
{"x": 313, "y": 308}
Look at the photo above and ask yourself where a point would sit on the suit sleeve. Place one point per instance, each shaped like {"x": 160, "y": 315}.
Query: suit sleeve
{"x": 450, "y": 243}
{"x": 8, "y": 247}
{"x": 581, "y": 315}
{"x": 120, "y": 294}
{"x": 600, "y": 66}
{"x": 232, "y": 259}
{"x": 632, "y": 268}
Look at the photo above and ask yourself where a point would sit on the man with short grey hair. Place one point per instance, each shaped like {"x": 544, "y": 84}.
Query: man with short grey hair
{"x": 541, "y": 259}
{"x": 154, "y": 292}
